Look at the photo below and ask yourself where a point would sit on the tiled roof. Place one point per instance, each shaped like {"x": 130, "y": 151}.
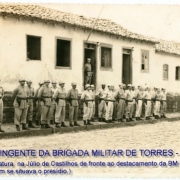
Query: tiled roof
{"x": 168, "y": 47}
{"x": 103, "y": 25}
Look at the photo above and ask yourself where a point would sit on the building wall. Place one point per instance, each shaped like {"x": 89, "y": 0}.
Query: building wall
{"x": 14, "y": 64}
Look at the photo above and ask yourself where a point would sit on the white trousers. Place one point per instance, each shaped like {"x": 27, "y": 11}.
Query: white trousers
{"x": 109, "y": 110}
{"x": 148, "y": 109}
{"x": 87, "y": 112}
{"x": 139, "y": 108}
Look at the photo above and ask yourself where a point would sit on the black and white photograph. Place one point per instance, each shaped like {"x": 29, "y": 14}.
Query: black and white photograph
{"x": 89, "y": 90}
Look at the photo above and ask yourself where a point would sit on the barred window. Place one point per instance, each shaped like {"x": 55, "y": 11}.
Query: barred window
{"x": 144, "y": 61}
{"x": 165, "y": 71}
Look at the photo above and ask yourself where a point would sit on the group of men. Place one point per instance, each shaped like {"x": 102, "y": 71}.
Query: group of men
{"x": 120, "y": 105}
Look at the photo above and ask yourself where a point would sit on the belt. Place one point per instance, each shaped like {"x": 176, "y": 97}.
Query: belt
{"x": 22, "y": 98}
{"x": 89, "y": 100}
{"x": 30, "y": 97}
{"x": 46, "y": 97}
{"x": 139, "y": 99}
{"x": 121, "y": 98}
{"x": 73, "y": 99}
{"x": 129, "y": 100}
{"x": 110, "y": 100}
{"x": 158, "y": 100}
{"x": 148, "y": 99}
{"x": 61, "y": 98}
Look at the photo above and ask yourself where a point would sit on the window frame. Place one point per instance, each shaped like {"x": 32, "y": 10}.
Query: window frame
{"x": 144, "y": 71}
{"x": 104, "y": 45}
{"x": 175, "y": 73}
{"x": 64, "y": 39}
{"x": 166, "y": 79}
{"x": 27, "y": 59}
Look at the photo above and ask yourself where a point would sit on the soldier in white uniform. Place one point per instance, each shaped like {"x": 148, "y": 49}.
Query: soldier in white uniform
{"x": 147, "y": 101}
{"x": 53, "y": 103}
{"x": 19, "y": 97}
{"x": 153, "y": 97}
{"x": 139, "y": 101}
{"x": 115, "y": 104}
{"x": 157, "y": 106}
{"x": 87, "y": 100}
{"x": 60, "y": 97}
{"x": 109, "y": 99}
{"x": 163, "y": 103}
{"x": 129, "y": 103}
{"x": 101, "y": 103}
{"x": 1, "y": 107}
{"x": 93, "y": 103}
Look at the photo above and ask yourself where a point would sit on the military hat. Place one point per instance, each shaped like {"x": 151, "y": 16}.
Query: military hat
{"x": 47, "y": 81}
{"x": 103, "y": 84}
{"x": 41, "y": 82}
{"x": 73, "y": 83}
{"x": 61, "y": 82}
{"x": 129, "y": 85}
{"x": 87, "y": 86}
{"x": 53, "y": 82}
{"x": 28, "y": 81}
{"x": 22, "y": 79}
{"x": 121, "y": 84}
{"x": 92, "y": 85}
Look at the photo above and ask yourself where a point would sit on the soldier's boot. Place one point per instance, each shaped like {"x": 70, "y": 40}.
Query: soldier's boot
{"x": 147, "y": 118}
{"x": 106, "y": 121}
{"x": 99, "y": 119}
{"x": 57, "y": 125}
{"x": 127, "y": 119}
{"x": 156, "y": 117}
{"x": 47, "y": 126}
{"x": 42, "y": 126}
{"x": 164, "y": 116}
{"x": 76, "y": 124}
{"x": 24, "y": 127}
{"x": 17, "y": 127}
{"x": 111, "y": 121}
{"x": 51, "y": 121}
{"x": 130, "y": 119}
{"x": 88, "y": 122}
{"x": 63, "y": 124}
{"x": 137, "y": 118}
{"x": 1, "y": 130}
{"x": 37, "y": 123}
{"x": 31, "y": 125}
{"x": 85, "y": 123}
{"x": 71, "y": 125}
{"x": 92, "y": 120}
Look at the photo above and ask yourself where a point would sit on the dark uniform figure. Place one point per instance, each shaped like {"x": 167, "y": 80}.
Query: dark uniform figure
{"x": 88, "y": 72}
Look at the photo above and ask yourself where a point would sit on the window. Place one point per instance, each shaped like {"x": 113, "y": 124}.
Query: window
{"x": 33, "y": 48}
{"x": 106, "y": 57}
{"x": 63, "y": 53}
{"x": 144, "y": 61}
{"x": 177, "y": 73}
{"x": 165, "y": 72}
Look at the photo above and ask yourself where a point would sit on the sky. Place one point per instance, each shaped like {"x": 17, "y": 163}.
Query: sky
{"x": 159, "y": 21}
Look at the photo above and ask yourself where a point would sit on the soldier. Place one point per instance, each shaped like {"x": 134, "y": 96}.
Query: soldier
{"x": 109, "y": 99}
{"x": 114, "y": 116}
{"x": 139, "y": 101}
{"x": 153, "y": 97}
{"x": 163, "y": 103}
{"x": 124, "y": 89}
{"x": 30, "y": 96}
{"x": 129, "y": 103}
{"x": 135, "y": 92}
{"x": 93, "y": 102}
{"x": 157, "y": 106}
{"x": 1, "y": 107}
{"x": 60, "y": 97}
{"x": 121, "y": 104}
{"x": 38, "y": 104}
{"x": 19, "y": 97}
{"x": 45, "y": 95}
{"x": 88, "y": 71}
{"x": 53, "y": 103}
{"x": 147, "y": 101}
{"x": 101, "y": 104}
{"x": 86, "y": 97}
{"x": 72, "y": 97}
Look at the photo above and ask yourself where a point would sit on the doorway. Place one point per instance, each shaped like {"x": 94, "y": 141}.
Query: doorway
{"x": 90, "y": 52}
{"x": 127, "y": 66}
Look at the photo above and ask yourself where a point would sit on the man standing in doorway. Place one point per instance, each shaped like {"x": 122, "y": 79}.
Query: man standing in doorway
{"x": 19, "y": 97}
{"x": 72, "y": 97}
{"x": 88, "y": 72}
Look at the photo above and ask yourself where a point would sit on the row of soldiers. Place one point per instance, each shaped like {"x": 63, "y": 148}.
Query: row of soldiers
{"x": 119, "y": 105}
